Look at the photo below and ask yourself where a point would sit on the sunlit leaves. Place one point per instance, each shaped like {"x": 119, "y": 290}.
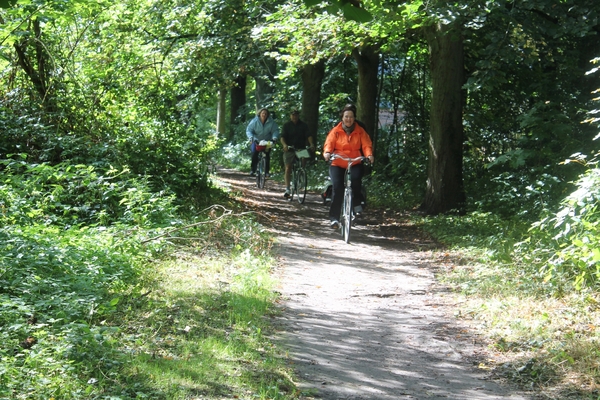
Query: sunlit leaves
{"x": 355, "y": 13}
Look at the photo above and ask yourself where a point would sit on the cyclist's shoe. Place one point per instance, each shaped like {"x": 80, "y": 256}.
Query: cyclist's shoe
{"x": 267, "y": 175}
{"x": 287, "y": 193}
{"x": 252, "y": 173}
{"x": 334, "y": 224}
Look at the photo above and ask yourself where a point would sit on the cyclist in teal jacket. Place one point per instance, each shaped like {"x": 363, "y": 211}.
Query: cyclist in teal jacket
{"x": 262, "y": 127}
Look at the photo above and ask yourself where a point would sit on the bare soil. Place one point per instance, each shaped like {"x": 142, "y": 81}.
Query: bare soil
{"x": 367, "y": 320}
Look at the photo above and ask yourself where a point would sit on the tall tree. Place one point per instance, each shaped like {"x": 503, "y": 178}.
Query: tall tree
{"x": 264, "y": 77}
{"x": 434, "y": 21}
{"x": 221, "y": 112}
{"x": 312, "y": 79}
{"x": 367, "y": 60}
{"x": 309, "y": 38}
{"x": 238, "y": 100}
{"x": 445, "y": 190}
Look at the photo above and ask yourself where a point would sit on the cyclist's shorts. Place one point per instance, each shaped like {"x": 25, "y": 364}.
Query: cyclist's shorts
{"x": 288, "y": 157}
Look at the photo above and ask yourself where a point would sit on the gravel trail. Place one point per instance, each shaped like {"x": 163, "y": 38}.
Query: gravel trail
{"x": 366, "y": 320}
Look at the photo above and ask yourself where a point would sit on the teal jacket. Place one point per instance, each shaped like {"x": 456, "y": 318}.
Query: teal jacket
{"x": 259, "y": 131}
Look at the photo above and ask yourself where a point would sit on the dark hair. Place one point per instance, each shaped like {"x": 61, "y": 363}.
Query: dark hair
{"x": 348, "y": 107}
{"x": 295, "y": 112}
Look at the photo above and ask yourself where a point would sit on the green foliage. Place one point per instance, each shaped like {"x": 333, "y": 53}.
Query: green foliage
{"x": 545, "y": 328}
{"x": 203, "y": 329}
{"x": 56, "y": 286}
{"x": 75, "y": 281}
{"x": 487, "y": 231}
{"x": 79, "y": 195}
{"x": 566, "y": 245}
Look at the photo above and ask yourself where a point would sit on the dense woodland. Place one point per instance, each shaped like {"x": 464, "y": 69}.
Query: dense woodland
{"x": 113, "y": 114}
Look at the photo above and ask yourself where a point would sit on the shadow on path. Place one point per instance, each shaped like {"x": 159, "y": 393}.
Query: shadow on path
{"x": 365, "y": 320}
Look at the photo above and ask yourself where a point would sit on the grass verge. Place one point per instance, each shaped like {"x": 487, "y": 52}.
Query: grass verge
{"x": 109, "y": 314}
{"x": 203, "y": 331}
{"x": 542, "y": 338}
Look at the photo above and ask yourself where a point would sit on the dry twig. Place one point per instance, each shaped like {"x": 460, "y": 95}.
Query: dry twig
{"x": 211, "y": 210}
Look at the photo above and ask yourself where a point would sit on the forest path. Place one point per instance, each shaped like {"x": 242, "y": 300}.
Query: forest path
{"x": 365, "y": 320}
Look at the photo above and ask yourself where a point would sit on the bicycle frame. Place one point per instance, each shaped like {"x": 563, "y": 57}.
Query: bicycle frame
{"x": 262, "y": 166}
{"x": 261, "y": 170}
{"x": 346, "y": 216}
{"x": 298, "y": 177}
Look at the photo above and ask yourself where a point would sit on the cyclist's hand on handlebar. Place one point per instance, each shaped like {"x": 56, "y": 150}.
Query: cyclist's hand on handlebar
{"x": 327, "y": 156}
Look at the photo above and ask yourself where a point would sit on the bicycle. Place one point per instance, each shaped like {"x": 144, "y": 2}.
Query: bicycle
{"x": 298, "y": 175}
{"x": 261, "y": 170}
{"x": 347, "y": 212}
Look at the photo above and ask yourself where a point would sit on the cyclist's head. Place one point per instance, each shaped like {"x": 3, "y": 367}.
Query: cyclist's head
{"x": 295, "y": 116}
{"x": 261, "y": 111}
{"x": 348, "y": 107}
{"x": 348, "y": 115}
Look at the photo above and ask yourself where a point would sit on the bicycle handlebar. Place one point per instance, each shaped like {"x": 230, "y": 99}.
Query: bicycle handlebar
{"x": 350, "y": 160}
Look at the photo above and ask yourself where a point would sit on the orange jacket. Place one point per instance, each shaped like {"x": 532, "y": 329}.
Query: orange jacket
{"x": 355, "y": 144}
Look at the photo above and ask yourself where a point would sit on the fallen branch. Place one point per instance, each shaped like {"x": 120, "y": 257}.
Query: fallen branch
{"x": 226, "y": 213}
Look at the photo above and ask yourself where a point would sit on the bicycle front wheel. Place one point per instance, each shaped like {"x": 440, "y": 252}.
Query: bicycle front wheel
{"x": 260, "y": 176}
{"x": 301, "y": 185}
{"x": 347, "y": 215}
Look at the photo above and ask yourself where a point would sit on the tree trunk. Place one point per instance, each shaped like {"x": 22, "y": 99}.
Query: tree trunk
{"x": 264, "y": 84}
{"x": 221, "y": 106}
{"x": 312, "y": 79}
{"x": 39, "y": 77}
{"x": 238, "y": 100}
{"x": 445, "y": 190}
{"x": 367, "y": 60}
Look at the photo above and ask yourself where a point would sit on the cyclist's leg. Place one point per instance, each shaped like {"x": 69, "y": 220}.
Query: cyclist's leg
{"x": 356, "y": 177}
{"x": 288, "y": 159}
{"x": 254, "y": 158}
{"x": 337, "y": 195}
{"x": 268, "y": 170}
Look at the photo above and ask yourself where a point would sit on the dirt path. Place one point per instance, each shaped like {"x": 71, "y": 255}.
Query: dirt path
{"x": 366, "y": 320}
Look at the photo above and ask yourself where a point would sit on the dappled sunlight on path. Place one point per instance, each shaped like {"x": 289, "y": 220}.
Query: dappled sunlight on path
{"x": 366, "y": 320}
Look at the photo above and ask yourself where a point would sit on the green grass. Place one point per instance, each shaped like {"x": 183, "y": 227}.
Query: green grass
{"x": 189, "y": 323}
{"x": 205, "y": 331}
{"x": 137, "y": 306}
{"x": 540, "y": 336}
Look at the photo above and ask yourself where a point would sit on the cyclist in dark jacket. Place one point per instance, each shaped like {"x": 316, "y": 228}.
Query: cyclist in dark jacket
{"x": 295, "y": 134}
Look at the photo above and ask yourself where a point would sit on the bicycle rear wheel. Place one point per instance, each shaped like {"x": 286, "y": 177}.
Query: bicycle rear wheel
{"x": 260, "y": 176}
{"x": 347, "y": 215}
{"x": 301, "y": 185}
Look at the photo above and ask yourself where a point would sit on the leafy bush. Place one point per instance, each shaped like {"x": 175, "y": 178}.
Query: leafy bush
{"x": 56, "y": 286}
{"x": 566, "y": 245}
{"x": 67, "y": 195}
{"x": 170, "y": 158}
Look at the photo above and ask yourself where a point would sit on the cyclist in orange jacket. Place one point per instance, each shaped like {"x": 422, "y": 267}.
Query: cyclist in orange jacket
{"x": 348, "y": 139}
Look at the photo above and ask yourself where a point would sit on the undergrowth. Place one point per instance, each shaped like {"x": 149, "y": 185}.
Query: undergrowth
{"x": 541, "y": 328}
{"x": 108, "y": 291}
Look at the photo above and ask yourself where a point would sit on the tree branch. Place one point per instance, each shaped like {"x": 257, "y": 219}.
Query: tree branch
{"x": 226, "y": 213}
